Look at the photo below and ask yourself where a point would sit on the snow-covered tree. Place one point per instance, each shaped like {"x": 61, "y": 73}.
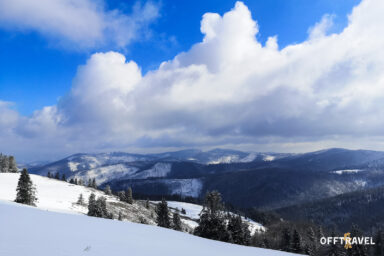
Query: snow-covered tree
{"x": 121, "y": 195}
{"x": 26, "y": 192}
{"x": 91, "y": 205}
{"x": 176, "y": 222}
{"x": 108, "y": 190}
{"x": 80, "y": 200}
{"x": 94, "y": 185}
{"x": 128, "y": 196}
{"x": 12, "y": 167}
{"x": 163, "y": 214}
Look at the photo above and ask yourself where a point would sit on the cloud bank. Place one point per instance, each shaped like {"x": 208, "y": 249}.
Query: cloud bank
{"x": 228, "y": 90}
{"x": 78, "y": 24}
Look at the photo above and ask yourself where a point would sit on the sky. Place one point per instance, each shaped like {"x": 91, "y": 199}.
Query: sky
{"x": 149, "y": 76}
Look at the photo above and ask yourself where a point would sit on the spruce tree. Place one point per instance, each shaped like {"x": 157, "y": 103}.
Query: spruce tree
{"x": 4, "y": 163}
{"x": 26, "y": 193}
{"x": 12, "y": 164}
{"x": 120, "y": 216}
{"x": 176, "y": 221}
{"x": 335, "y": 249}
{"x": 80, "y": 200}
{"x": 94, "y": 185}
{"x": 108, "y": 190}
{"x": 235, "y": 229}
{"x": 63, "y": 177}
{"x": 128, "y": 196}
{"x": 49, "y": 175}
{"x": 92, "y": 205}
{"x": 379, "y": 241}
{"x": 90, "y": 183}
{"x": 297, "y": 246}
{"x": 286, "y": 240}
{"x": 163, "y": 214}
{"x": 121, "y": 195}
{"x": 57, "y": 175}
{"x": 212, "y": 222}
{"x": 147, "y": 204}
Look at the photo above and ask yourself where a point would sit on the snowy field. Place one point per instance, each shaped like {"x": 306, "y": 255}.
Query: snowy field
{"x": 53, "y": 195}
{"x": 27, "y": 231}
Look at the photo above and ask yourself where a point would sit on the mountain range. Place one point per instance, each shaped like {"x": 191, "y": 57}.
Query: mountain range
{"x": 263, "y": 180}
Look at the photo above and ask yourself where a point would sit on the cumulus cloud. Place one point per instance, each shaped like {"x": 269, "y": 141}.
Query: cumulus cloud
{"x": 229, "y": 90}
{"x": 78, "y": 23}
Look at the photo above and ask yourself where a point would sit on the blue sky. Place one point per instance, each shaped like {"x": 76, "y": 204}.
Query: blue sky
{"x": 152, "y": 76}
{"x": 35, "y": 71}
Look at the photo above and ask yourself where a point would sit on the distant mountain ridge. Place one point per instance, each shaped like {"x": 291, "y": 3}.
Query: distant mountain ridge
{"x": 265, "y": 180}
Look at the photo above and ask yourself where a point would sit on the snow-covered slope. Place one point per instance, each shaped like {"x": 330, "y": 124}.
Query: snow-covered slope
{"x": 33, "y": 232}
{"x": 53, "y": 195}
{"x": 59, "y": 196}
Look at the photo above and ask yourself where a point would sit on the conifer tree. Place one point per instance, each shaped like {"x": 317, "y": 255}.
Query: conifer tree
{"x": 92, "y": 205}
{"x": 379, "y": 241}
{"x": 246, "y": 234}
{"x": 163, "y": 214}
{"x": 128, "y": 196}
{"x": 57, "y": 175}
{"x": 80, "y": 201}
{"x": 63, "y": 177}
{"x": 108, "y": 190}
{"x": 12, "y": 164}
{"x": 235, "y": 229}
{"x": 94, "y": 185}
{"x": 147, "y": 204}
{"x": 212, "y": 223}
{"x": 90, "y": 183}
{"x": 176, "y": 222}
{"x": 49, "y": 175}
{"x": 335, "y": 249}
{"x": 4, "y": 163}
{"x": 26, "y": 193}
{"x": 286, "y": 240}
{"x": 297, "y": 246}
{"x": 120, "y": 216}
{"x": 121, "y": 195}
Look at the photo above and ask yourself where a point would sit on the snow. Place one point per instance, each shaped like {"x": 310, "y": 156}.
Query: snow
{"x": 157, "y": 171}
{"x": 349, "y": 171}
{"x": 225, "y": 159}
{"x": 269, "y": 158}
{"x": 53, "y": 195}
{"x": 46, "y": 233}
{"x": 185, "y": 187}
{"x": 249, "y": 158}
{"x": 106, "y": 173}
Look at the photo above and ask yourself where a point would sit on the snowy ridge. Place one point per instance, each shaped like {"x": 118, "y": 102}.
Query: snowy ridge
{"x": 348, "y": 171}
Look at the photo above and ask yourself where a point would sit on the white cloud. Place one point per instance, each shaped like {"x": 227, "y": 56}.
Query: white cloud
{"x": 228, "y": 90}
{"x": 77, "y": 23}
